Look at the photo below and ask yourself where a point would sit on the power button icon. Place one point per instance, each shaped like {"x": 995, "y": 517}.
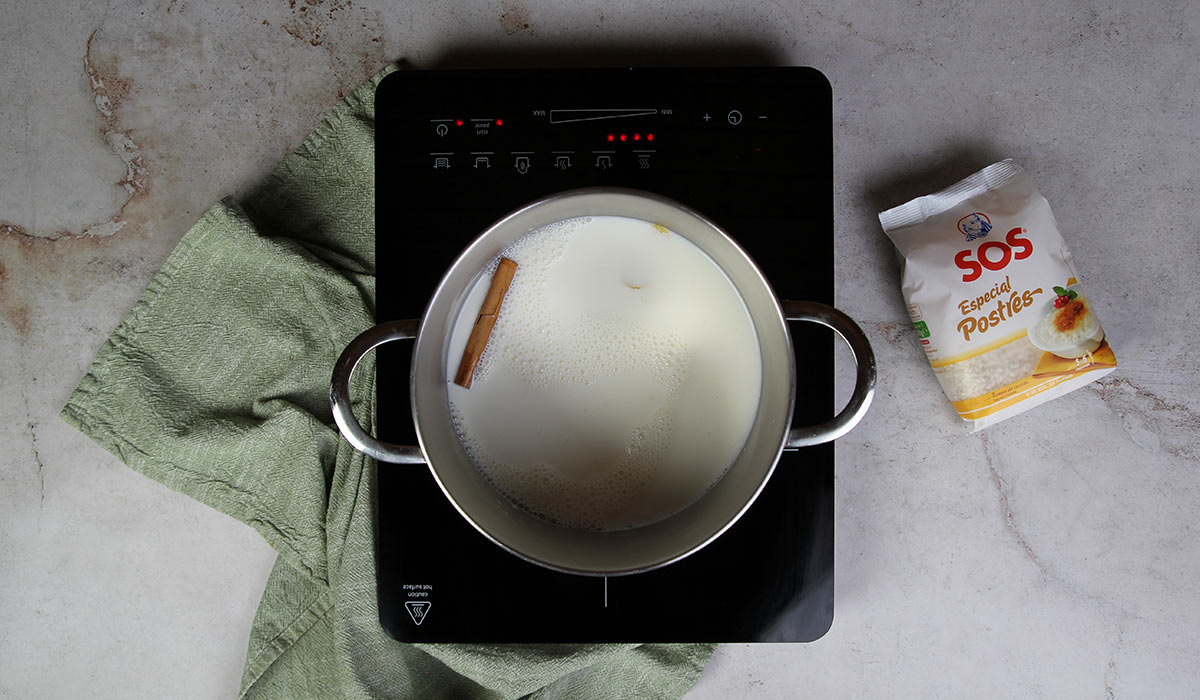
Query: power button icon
{"x": 734, "y": 117}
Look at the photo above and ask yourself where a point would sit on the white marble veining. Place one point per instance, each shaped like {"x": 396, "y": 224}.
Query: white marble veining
{"x": 1054, "y": 555}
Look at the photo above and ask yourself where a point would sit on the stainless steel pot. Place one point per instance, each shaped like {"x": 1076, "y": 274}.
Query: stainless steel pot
{"x": 579, "y": 551}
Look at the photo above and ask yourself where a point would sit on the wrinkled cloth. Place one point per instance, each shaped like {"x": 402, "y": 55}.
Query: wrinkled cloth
{"x": 217, "y": 383}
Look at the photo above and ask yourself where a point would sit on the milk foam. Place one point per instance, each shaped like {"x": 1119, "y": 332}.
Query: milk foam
{"x": 621, "y": 380}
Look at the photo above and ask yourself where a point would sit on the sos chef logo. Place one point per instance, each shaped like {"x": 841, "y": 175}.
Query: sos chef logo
{"x": 992, "y": 255}
{"x": 975, "y": 225}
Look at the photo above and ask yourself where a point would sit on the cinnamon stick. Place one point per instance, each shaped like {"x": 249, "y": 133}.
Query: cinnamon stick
{"x": 484, "y": 322}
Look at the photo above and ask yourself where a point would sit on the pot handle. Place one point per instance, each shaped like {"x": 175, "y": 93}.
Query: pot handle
{"x": 864, "y": 382}
{"x": 339, "y": 393}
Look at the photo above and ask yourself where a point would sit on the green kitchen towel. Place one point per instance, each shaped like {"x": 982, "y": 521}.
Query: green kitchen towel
{"x": 217, "y": 383}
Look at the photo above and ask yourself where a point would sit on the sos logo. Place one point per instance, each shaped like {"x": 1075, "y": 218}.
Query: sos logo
{"x": 994, "y": 255}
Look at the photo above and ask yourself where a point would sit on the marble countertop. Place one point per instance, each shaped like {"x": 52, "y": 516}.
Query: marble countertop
{"x": 1053, "y": 555}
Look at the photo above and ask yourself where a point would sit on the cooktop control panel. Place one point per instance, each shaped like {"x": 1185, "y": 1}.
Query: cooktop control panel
{"x": 598, "y": 140}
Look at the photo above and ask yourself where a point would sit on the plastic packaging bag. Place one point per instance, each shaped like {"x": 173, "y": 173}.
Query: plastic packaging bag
{"x": 994, "y": 296}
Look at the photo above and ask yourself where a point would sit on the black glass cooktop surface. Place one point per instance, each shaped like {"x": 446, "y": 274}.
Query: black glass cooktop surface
{"x": 751, "y": 149}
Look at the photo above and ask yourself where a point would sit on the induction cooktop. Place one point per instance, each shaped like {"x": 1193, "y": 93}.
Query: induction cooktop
{"x": 749, "y": 148}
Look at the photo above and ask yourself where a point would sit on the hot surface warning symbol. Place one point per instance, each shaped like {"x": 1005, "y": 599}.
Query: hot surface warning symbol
{"x": 418, "y": 610}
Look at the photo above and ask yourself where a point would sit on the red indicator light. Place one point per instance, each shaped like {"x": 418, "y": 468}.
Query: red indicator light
{"x": 649, "y": 137}
{"x": 622, "y": 137}
{"x": 499, "y": 122}
{"x": 637, "y": 137}
{"x": 611, "y": 137}
{"x": 458, "y": 122}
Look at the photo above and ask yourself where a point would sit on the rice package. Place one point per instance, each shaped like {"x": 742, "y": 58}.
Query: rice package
{"x": 994, "y": 296}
